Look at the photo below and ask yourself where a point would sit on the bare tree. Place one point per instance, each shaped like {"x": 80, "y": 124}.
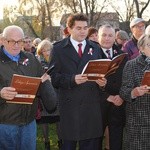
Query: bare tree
{"x": 141, "y": 7}
{"x": 92, "y": 8}
{"x": 131, "y": 8}
{"x": 38, "y": 14}
{"x": 128, "y": 10}
{"x": 25, "y": 11}
{"x": 127, "y": 7}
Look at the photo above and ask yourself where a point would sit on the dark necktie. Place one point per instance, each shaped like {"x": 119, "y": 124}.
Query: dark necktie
{"x": 108, "y": 53}
{"x": 80, "y": 49}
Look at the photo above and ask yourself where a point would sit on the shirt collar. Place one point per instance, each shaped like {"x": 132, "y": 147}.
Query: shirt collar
{"x": 104, "y": 50}
{"x": 13, "y": 58}
{"x": 75, "y": 43}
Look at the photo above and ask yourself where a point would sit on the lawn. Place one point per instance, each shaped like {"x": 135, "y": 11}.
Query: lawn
{"x": 53, "y": 138}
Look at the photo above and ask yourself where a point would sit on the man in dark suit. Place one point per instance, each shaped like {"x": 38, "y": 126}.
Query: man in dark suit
{"x": 112, "y": 104}
{"x": 79, "y": 99}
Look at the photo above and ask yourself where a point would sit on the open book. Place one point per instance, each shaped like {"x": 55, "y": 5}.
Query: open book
{"x": 99, "y": 68}
{"x": 146, "y": 79}
{"x": 26, "y": 87}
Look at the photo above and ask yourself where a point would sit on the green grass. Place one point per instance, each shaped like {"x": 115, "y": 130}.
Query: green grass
{"x": 52, "y": 136}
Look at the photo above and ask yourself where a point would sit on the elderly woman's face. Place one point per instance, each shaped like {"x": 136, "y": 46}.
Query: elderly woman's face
{"x": 146, "y": 48}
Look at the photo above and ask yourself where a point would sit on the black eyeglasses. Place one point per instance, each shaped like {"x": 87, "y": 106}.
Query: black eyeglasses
{"x": 13, "y": 42}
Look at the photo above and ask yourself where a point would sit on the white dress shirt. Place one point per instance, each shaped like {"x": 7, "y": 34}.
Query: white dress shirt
{"x": 75, "y": 44}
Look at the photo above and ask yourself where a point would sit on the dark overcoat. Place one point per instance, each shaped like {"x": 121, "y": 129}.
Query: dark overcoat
{"x": 113, "y": 116}
{"x": 80, "y": 112}
{"x": 22, "y": 114}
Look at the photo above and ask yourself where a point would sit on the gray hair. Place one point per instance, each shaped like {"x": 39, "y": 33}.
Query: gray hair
{"x": 36, "y": 41}
{"x": 123, "y": 35}
{"x": 106, "y": 26}
{"x": 7, "y": 31}
{"x": 142, "y": 40}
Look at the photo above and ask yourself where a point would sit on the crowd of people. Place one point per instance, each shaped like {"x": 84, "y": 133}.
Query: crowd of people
{"x": 113, "y": 108}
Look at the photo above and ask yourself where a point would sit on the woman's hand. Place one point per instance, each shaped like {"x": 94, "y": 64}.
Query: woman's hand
{"x": 139, "y": 91}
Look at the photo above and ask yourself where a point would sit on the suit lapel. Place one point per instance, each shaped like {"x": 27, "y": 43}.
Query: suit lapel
{"x": 70, "y": 51}
{"x": 88, "y": 54}
{"x": 103, "y": 54}
{"x": 115, "y": 52}
{"x": 72, "y": 54}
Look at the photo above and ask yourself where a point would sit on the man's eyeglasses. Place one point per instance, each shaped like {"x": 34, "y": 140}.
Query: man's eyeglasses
{"x": 13, "y": 42}
{"x": 139, "y": 27}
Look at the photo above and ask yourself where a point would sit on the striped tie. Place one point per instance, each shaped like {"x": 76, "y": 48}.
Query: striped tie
{"x": 108, "y": 54}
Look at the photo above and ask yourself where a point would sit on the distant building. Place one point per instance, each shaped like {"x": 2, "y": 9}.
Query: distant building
{"x": 108, "y": 18}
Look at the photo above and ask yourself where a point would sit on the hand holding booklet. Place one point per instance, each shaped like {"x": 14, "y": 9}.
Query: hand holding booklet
{"x": 96, "y": 69}
{"x": 146, "y": 80}
{"x": 26, "y": 88}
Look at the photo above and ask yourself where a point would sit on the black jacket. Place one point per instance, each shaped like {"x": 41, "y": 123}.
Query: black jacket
{"x": 20, "y": 114}
{"x": 80, "y": 112}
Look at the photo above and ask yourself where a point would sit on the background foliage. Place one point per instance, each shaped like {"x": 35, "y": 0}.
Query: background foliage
{"x": 37, "y": 17}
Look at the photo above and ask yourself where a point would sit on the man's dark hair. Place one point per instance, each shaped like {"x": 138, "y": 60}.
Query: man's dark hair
{"x": 76, "y": 17}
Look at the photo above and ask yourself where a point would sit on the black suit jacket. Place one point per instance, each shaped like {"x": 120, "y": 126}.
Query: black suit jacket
{"x": 80, "y": 112}
{"x": 111, "y": 113}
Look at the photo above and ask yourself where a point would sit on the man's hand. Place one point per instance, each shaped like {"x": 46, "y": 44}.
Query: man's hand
{"x": 101, "y": 82}
{"x": 79, "y": 79}
{"x": 8, "y": 93}
{"x": 110, "y": 98}
{"x": 116, "y": 100}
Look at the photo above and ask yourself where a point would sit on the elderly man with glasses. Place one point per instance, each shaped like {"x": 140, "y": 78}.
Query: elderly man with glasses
{"x": 17, "y": 121}
{"x": 137, "y": 27}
